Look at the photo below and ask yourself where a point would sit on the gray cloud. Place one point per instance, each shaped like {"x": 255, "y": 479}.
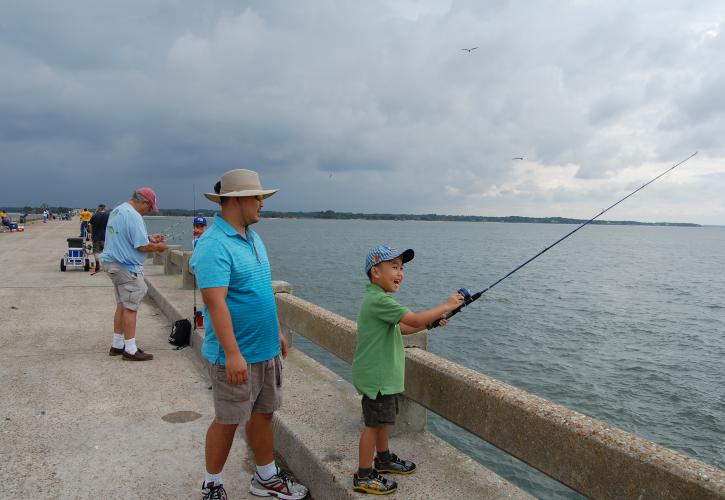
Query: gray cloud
{"x": 595, "y": 95}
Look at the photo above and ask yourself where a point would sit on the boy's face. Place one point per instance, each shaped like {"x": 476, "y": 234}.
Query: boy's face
{"x": 388, "y": 275}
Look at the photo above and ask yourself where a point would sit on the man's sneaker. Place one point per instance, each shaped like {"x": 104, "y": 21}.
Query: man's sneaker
{"x": 139, "y": 356}
{"x": 374, "y": 483}
{"x": 395, "y": 465}
{"x": 115, "y": 351}
{"x": 213, "y": 492}
{"x": 280, "y": 485}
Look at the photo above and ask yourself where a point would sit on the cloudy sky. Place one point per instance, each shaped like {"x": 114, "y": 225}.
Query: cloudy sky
{"x": 369, "y": 106}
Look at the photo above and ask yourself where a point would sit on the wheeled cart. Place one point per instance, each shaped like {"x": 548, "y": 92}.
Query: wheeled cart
{"x": 76, "y": 257}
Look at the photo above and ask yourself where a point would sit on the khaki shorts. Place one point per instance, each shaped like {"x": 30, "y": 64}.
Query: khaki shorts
{"x": 261, "y": 393}
{"x": 130, "y": 288}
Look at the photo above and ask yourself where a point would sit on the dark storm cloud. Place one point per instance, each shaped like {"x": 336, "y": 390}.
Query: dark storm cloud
{"x": 595, "y": 96}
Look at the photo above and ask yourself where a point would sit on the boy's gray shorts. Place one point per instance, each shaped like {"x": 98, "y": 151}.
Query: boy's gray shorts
{"x": 261, "y": 393}
{"x": 130, "y": 288}
{"x": 380, "y": 411}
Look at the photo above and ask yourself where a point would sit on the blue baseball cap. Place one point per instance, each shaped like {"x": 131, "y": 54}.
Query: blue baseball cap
{"x": 382, "y": 253}
{"x": 200, "y": 221}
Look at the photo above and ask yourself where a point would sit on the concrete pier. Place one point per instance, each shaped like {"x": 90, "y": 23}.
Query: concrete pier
{"x": 76, "y": 422}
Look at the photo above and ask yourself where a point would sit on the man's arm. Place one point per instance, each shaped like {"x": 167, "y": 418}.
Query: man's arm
{"x": 283, "y": 346}
{"x": 153, "y": 247}
{"x": 221, "y": 319}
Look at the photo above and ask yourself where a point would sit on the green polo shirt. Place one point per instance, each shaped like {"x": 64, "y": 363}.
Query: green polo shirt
{"x": 379, "y": 363}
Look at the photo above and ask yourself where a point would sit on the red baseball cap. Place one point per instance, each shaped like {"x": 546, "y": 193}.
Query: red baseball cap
{"x": 150, "y": 195}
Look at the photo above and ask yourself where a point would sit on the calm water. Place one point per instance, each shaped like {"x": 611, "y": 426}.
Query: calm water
{"x": 622, "y": 323}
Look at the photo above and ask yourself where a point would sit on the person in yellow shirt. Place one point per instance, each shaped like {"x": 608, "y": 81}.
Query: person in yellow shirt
{"x": 85, "y": 215}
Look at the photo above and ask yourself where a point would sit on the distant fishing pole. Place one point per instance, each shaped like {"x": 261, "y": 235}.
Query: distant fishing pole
{"x": 468, "y": 298}
{"x": 197, "y": 313}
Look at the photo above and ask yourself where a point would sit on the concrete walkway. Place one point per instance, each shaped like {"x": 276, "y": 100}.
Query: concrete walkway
{"x": 75, "y": 422}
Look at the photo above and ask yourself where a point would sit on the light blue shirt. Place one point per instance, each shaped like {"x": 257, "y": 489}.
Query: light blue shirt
{"x": 125, "y": 232}
{"x": 222, "y": 258}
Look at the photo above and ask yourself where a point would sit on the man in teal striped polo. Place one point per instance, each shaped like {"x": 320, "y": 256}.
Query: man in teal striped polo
{"x": 242, "y": 342}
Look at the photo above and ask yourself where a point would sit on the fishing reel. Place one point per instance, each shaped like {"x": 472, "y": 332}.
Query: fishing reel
{"x": 465, "y": 293}
{"x": 467, "y": 299}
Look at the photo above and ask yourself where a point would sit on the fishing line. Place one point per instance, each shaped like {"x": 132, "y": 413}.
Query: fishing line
{"x": 469, "y": 298}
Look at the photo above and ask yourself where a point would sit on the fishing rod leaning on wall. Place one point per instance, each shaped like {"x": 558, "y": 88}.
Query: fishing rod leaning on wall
{"x": 468, "y": 298}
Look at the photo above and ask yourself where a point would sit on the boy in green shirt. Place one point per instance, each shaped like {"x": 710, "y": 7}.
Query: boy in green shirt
{"x": 378, "y": 368}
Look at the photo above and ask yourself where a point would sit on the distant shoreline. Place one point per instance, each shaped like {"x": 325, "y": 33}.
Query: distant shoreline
{"x": 332, "y": 215}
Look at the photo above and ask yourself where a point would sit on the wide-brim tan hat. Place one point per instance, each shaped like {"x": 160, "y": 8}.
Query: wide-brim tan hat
{"x": 240, "y": 182}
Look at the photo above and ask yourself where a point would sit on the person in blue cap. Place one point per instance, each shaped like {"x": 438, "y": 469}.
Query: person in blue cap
{"x": 378, "y": 368}
{"x": 199, "y": 228}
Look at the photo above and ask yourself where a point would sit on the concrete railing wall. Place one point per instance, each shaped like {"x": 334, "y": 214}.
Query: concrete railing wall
{"x": 588, "y": 455}
{"x": 176, "y": 261}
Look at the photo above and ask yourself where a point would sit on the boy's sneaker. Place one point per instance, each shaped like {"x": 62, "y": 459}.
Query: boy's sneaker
{"x": 395, "y": 465}
{"x": 280, "y": 485}
{"x": 213, "y": 492}
{"x": 374, "y": 483}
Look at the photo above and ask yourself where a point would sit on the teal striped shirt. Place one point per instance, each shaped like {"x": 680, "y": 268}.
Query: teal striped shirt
{"x": 222, "y": 258}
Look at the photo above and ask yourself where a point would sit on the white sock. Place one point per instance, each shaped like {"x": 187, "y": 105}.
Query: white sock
{"x": 130, "y": 346}
{"x": 215, "y": 479}
{"x": 267, "y": 471}
{"x": 117, "y": 340}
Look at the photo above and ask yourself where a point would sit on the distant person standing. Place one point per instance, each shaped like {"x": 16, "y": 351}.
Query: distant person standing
{"x": 45, "y": 216}
{"x": 199, "y": 228}
{"x": 242, "y": 344}
{"x": 126, "y": 245}
{"x": 97, "y": 227}
{"x": 85, "y": 216}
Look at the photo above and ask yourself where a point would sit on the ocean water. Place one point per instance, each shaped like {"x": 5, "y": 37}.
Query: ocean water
{"x": 622, "y": 323}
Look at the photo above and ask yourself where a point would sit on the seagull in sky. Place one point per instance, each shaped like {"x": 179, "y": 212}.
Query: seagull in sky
{"x": 518, "y": 158}
{"x": 471, "y": 49}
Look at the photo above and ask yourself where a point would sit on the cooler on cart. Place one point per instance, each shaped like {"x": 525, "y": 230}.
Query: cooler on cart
{"x": 76, "y": 256}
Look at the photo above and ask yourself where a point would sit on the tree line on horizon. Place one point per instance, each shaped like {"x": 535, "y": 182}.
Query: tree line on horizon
{"x": 331, "y": 214}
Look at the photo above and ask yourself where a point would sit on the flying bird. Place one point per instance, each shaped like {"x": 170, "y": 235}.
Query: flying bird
{"x": 469, "y": 50}
{"x": 518, "y": 158}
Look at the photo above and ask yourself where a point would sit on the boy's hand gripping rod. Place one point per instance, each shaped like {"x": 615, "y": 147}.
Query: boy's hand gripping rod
{"x": 468, "y": 298}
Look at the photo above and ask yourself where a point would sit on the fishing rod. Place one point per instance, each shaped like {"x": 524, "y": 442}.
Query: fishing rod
{"x": 167, "y": 231}
{"x": 469, "y": 298}
{"x": 196, "y": 312}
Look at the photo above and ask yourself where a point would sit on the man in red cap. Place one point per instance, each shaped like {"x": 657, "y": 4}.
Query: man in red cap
{"x": 124, "y": 253}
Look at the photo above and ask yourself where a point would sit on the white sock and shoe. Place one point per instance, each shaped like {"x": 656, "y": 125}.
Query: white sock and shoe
{"x": 130, "y": 346}
{"x": 117, "y": 341}
{"x": 213, "y": 479}
{"x": 269, "y": 480}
